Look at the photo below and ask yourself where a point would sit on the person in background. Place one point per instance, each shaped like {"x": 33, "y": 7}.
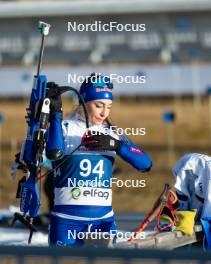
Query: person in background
{"x": 192, "y": 173}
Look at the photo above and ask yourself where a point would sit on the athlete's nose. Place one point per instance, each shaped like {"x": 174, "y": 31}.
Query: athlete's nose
{"x": 103, "y": 112}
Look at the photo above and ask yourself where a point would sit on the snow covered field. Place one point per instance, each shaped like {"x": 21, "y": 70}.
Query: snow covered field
{"x": 19, "y": 236}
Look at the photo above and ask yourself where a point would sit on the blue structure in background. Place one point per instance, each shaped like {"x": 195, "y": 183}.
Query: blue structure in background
{"x": 183, "y": 24}
{"x": 209, "y": 90}
{"x": 169, "y": 117}
{"x": 1, "y": 118}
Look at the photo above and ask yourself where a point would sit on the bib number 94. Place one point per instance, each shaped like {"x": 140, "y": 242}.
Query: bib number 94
{"x": 86, "y": 168}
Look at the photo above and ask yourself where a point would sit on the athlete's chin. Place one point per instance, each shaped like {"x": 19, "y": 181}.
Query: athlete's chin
{"x": 98, "y": 121}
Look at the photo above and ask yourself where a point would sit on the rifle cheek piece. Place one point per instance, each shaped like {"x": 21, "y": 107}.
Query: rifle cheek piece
{"x": 54, "y": 154}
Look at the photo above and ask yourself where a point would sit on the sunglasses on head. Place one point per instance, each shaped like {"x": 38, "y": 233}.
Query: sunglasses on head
{"x": 169, "y": 205}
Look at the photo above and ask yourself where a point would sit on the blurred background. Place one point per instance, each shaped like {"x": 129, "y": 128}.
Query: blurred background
{"x": 173, "y": 53}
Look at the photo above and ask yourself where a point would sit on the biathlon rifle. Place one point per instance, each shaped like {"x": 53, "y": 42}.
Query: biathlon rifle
{"x": 30, "y": 158}
{"x": 32, "y": 149}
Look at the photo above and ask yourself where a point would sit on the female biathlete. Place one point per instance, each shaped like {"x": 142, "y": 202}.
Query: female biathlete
{"x": 83, "y": 164}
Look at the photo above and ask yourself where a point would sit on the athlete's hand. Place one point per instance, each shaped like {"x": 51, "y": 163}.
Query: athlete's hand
{"x": 100, "y": 141}
{"x": 55, "y": 99}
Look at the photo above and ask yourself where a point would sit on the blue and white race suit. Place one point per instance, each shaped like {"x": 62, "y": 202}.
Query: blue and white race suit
{"x": 83, "y": 195}
{"x": 193, "y": 184}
